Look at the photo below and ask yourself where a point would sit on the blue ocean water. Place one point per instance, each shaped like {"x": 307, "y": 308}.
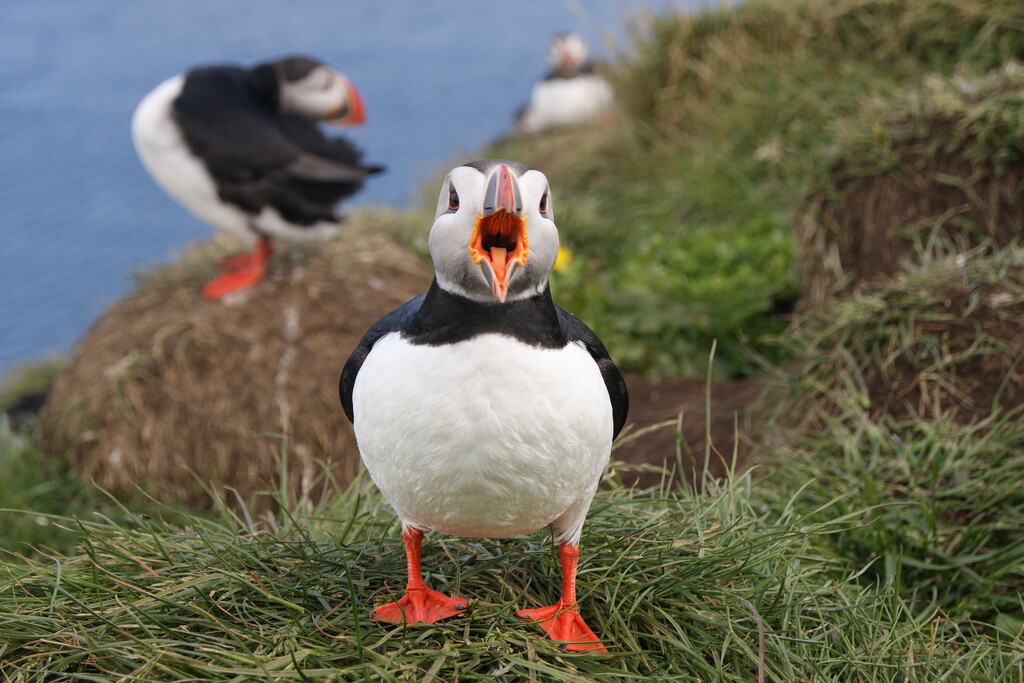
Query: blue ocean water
{"x": 439, "y": 79}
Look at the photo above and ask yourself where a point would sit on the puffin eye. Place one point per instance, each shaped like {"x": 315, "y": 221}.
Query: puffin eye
{"x": 544, "y": 202}
{"x": 453, "y": 198}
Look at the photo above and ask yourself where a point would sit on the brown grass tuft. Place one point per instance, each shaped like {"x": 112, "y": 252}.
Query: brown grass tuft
{"x": 870, "y": 222}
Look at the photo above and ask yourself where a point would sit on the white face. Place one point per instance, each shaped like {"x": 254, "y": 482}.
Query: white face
{"x": 567, "y": 52}
{"x": 321, "y": 94}
{"x": 460, "y": 204}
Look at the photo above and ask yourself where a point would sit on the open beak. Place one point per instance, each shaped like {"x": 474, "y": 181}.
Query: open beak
{"x": 499, "y": 241}
{"x": 352, "y": 112}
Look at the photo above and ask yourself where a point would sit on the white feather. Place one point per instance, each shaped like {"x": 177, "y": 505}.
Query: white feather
{"x": 489, "y": 437}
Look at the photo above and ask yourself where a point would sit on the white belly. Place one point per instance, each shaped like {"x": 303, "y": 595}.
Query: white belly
{"x": 487, "y": 438}
{"x": 566, "y": 102}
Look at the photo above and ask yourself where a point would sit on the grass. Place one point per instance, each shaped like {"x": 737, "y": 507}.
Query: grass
{"x": 984, "y": 109}
{"x": 729, "y": 584}
{"x": 907, "y": 405}
{"x": 34, "y": 486}
{"x": 37, "y": 489}
{"x": 28, "y": 379}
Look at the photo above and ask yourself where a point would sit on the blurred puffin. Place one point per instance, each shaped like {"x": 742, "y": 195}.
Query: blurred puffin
{"x": 241, "y": 149}
{"x": 570, "y": 94}
{"x": 481, "y": 408}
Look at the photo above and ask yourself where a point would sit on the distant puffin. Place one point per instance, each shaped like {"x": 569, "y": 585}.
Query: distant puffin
{"x": 240, "y": 149}
{"x": 570, "y": 94}
{"x": 481, "y": 408}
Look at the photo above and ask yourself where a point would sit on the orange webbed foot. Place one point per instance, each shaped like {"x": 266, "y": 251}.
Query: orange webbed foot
{"x": 232, "y": 282}
{"x": 564, "y": 623}
{"x": 240, "y": 272}
{"x": 420, "y": 606}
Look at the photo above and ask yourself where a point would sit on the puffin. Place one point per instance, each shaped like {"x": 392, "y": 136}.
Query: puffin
{"x": 480, "y": 408}
{"x": 241, "y": 150}
{"x": 570, "y": 94}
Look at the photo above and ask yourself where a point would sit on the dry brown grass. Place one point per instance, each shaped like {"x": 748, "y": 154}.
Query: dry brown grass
{"x": 168, "y": 389}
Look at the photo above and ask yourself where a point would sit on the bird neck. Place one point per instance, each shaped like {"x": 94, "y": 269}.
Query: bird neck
{"x": 446, "y": 318}
{"x": 261, "y": 82}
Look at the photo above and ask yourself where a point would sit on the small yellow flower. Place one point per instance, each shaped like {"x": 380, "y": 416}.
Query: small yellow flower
{"x": 564, "y": 258}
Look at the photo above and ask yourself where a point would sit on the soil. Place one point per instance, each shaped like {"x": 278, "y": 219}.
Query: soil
{"x": 868, "y": 229}
{"x": 981, "y": 345}
{"x": 682, "y": 405}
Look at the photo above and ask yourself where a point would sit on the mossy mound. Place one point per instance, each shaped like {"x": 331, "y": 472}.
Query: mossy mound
{"x": 905, "y": 413}
{"x": 168, "y": 390}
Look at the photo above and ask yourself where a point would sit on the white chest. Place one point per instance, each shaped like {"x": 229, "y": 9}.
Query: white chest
{"x": 489, "y": 437}
{"x": 567, "y": 102}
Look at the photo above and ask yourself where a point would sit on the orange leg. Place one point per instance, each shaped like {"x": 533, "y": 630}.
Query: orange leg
{"x": 562, "y": 620}
{"x": 420, "y": 605}
{"x": 240, "y": 272}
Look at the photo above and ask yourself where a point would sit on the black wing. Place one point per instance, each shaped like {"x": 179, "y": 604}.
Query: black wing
{"x": 260, "y": 157}
{"x": 576, "y": 331}
{"x": 392, "y": 322}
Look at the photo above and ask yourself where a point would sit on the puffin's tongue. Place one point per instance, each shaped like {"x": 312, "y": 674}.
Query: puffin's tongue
{"x": 498, "y": 259}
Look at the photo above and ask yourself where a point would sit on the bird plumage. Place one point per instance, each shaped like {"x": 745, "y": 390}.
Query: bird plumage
{"x": 260, "y": 156}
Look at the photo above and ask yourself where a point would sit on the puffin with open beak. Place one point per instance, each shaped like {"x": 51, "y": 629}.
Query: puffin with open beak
{"x": 481, "y": 408}
{"x": 241, "y": 150}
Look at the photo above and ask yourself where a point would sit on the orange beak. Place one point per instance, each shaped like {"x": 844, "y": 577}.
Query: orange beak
{"x": 352, "y": 113}
{"x": 499, "y": 242}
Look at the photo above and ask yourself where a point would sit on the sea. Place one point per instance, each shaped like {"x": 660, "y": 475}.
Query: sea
{"x": 79, "y": 215}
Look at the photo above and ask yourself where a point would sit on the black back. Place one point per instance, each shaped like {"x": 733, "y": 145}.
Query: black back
{"x": 259, "y": 157}
{"x": 439, "y": 317}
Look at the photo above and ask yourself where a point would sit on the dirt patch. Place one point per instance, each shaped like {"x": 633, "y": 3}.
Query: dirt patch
{"x": 168, "y": 389}
{"x": 968, "y": 356}
{"x": 941, "y": 345}
{"x": 733, "y": 424}
{"x": 866, "y": 229}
